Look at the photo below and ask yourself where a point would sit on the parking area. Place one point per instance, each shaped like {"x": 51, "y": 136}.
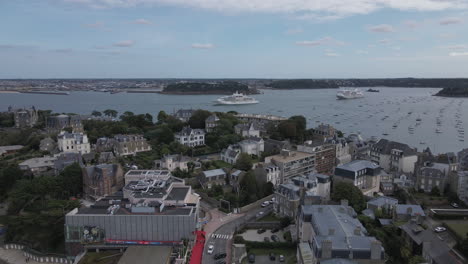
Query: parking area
{"x": 262, "y": 256}
{"x": 252, "y": 235}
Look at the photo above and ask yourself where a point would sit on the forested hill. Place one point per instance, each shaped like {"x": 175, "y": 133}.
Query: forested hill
{"x": 207, "y": 88}
{"x": 396, "y": 82}
{"x": 454, "y": 92}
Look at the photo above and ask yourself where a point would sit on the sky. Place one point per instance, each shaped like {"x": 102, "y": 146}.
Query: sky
{"x": 233, "y": 38}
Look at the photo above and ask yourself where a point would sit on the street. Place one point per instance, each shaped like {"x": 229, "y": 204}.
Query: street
{"x": 222, "y": 237}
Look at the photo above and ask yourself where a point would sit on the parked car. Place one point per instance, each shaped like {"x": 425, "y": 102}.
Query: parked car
{"x": 265, "y": 204}
{"x": 266, "y": 239}
{"x": 261, "y": 231}
{"x": 260, "y": 214}
{"x": 252, "y": 258}
{"x": 274, "y": 238}
{"x": 220, "y": 256}
{"x": 281, "y": 258}
{"x": 272, "y": 256}
{"x": 210, "y": 249}
{"x": 274, "y": 230}
{"x": 440, "y": 229}
{"x": 454, "y": 205}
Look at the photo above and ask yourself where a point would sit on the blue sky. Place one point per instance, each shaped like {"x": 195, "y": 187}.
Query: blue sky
{"x": 233, "y": 38}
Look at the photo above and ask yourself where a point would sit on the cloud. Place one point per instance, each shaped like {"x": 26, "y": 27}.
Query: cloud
{"x": 293, "y": 31}
{"x": 124, "y": 43}
{"x": 458, "y": 54}
{"x": 307, "y": 8}
{"x": 411, "y": 24}
{"x": 362, "y": 52}
{"x": 100, "y": 47}
{"x": 456, "y": 47}
{"x": 450, "y": 21}
{"x": 384, "y": 41}
{"x": 383, "y": 28}
{"x": 447, "y": 36}
{"x": 320, "y": 42}
{"x": 63, "y": 50}
{"x": 98, "y": 24}
{"x": 203, "y": 46}
{"x": 142, "y": 21}
{"x": 332, "y": 54}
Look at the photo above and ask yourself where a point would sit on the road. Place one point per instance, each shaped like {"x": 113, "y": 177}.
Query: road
{"x": 222, "y": 237}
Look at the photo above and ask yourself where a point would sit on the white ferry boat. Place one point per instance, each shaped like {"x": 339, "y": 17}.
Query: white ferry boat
{"x": 349, "y": 94}
{"x": 236, "y": 99}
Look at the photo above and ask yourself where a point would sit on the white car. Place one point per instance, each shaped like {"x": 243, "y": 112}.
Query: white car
{"x": 210, "y": 249}
{"x": 266, "y": 203}
{"x": 440, "y": 229}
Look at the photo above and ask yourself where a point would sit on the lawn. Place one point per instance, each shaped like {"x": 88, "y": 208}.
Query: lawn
{"x": 221, "y": 164}
{"x": 104, "y": 257}
{"x": 458, "y": 227}
{"x": 269, "y": 218}
{"x": 290, "y": 254}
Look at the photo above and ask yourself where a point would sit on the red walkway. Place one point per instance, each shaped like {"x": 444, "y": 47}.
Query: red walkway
{"x": 197, "y": 251}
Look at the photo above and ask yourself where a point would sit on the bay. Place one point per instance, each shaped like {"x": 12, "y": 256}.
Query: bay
{"x": 392, "y": 113}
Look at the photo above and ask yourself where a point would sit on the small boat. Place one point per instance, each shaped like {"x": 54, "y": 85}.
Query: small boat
{"x": 349, "y": 94}
{"x": 370, "y": 90}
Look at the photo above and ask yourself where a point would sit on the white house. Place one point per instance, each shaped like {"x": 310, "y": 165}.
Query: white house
{"x": 191, "y": 137}
{"x": 73, "y": 142}
{"x": 231, "y": 154}
{"x": 247, "y": 129}
{"x": 172, "y": 162}
{"x": 394, "y": 156}
{"x": 252, "y": 146}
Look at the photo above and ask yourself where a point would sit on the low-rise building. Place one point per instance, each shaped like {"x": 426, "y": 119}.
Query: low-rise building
{"x": 384, "y": 203}
{"x": 262, "y": 120}
{"x": 463, "y": 159}
{"x": 235, "y": 178}
{"x": 358, "y": 147}
{"x": 406, "y": 212}
{"x": 73, "y": 142}
{"x": 247, "y": 129}
{"x": 176, "y": 161}
{"x": 103, "y": 179}
{"x": 211, "y": 122}
{"x": 362, "y": 173}
{"x": 184, "y": 114}
{"x": 386, "y": 188}
{"x": 252, "y": 146}
{"x": 210, "y": 178}
{"x": 323, "y": 132}
{"x": 25, "y": 117}
{"x": 6, "y": 150}
{"x": 394, "y": 156}
{"x": 125, "y": 145}
{"x": 267, "y": 172}
{"x": 231, "y": 154}
{"x": 274, "y": 147}
{"x": 342, "y": 151}
{"x": 191, "y": 137}
{"x": 432, "y": 174}
{"x": 292, "y": 163}
{"x": 333, "y": 231}
{"x": 39, "y": 166}
{"x": 60, "y": 122}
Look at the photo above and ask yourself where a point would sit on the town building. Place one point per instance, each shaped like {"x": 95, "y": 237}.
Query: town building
{"x": 231, "y": 154}
{"x": 312, "y": 188}
{"x": 176, "y": 161}
{"x": 191, "y": 137}
{"x": 103, "y": 179}
{"x": 235, "y": 178}
{"x": 342, "y": 151}
{"x": 263, "y": 121}
{"x": 158, "y": 209}
{"x": 292, "y": 163}
{"x": 7, "y": 150}
{"x": 25, "y": 117}
{"x": 104, "y": 144}
{"x": 73, "y": 142}
{"x": 252, "y": 146}
{"x": 39, "y": 166}
{"x": 431, "y": 175}
{"x": 247, "y": 129}
{"x": 60, "y": 122}
{"x": 333, "y": 231}
{"x": 323, "y": 132}
{"x": 406, "y": 212}
{"x": 362, "y": 173}
{"x": 463, "y": 159}
{"x": 211, "y": 122}
{"x": 324, "y": 155}
{"x": 267, "y": 172}
{"x": 462, "y": 186}
{"x": 394, "y": 156}
{"x": 358, "y": 147}
{"x": 184, "y": 114}
{"x": 48, "y": 145}
{"x": 384, "y": 203}
{"x": 106, "y": 157}
{"x": 274, "y": 147}
{"x": 125, "y": 145}
{"x": 210, "y": 178}
{"x": 66, "y": 159}
{"x": 386, "y": 187}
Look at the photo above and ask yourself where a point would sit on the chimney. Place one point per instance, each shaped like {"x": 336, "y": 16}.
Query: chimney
{"x": 344, "y": 202}
{"x": 331, "y": 232}
{"x": 376, "y": 250}
{"x": 409, "y": 210}
{"x": 326, "y": 249}
{"x": 357, "y": 231}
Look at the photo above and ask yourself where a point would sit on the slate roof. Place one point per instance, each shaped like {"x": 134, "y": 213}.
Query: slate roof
{"x": 213, "y": 173}
{"x": 416, "y": 209}
{"x": 187, "y": 131}
{"x": 358, "y": 165}
{"x": 212, "y": 118}
{"x": 385, "y": 146}
{"x": 383, "y": 200}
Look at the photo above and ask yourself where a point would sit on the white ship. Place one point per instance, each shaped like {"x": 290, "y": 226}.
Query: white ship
{"x": 349, "y": 94}
{"x": 236, "y": 99}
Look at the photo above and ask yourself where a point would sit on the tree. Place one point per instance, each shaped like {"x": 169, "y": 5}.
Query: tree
{"x": 162, "y": 117}
{"x": 285, "y": 221}
{"x": 110, "y": 113}
{"x": 435, "y": 191}
{"x": 347, "y": 191}
{"x": 197, "y": 120}
{"x": 72, "y": 180}
{"x": 8, "y": 177}
{"x": 96, "y": 113}
{"x": 244, "y": 162}
{"x": 287, "y": 129}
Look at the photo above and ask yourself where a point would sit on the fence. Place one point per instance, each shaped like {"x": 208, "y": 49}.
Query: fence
{"x": 264, "y": 225}
{"x": 37, "y": 256}
{"x": 211, "y": 201}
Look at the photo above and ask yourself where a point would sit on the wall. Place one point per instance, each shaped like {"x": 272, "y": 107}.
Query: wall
{"x": 37, "y": 256}
{"x": 255, "y": 204}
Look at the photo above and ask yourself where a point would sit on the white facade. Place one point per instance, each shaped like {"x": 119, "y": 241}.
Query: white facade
{"x": 252, "y": 147}
{"x": 247, "y": 130}
{"x": 73, "y": 143}
{"x": 191, "y": 137}
{"x": 231, "y": 154}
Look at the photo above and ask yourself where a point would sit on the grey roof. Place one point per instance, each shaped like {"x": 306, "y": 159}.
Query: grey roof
{"x": 248, "y": 126}
{"x": 4, "y": 149}
{"x": 289, "y": 190}
{"x": 338, "y": 261}
{"x": 252, "y": 140}
{"x": 237, "y": 173}
{"x": 127, "y": 138}
{"x": 383, "y": 200}
{"x": 385, "y": 222}
{"x": 358, "y": 165}
{"x": 212, "y": 118}
{"x": 417, "y": 233}
{"x": 369, "y": 213}
{"x": 77, "y": 136}
{"x": 186, "y": 131}
{"x": 178, "y": 193}
{"x": 385, "y": 146}
{"x": 415, "y": 209}
{"x": 213, "y": 173}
